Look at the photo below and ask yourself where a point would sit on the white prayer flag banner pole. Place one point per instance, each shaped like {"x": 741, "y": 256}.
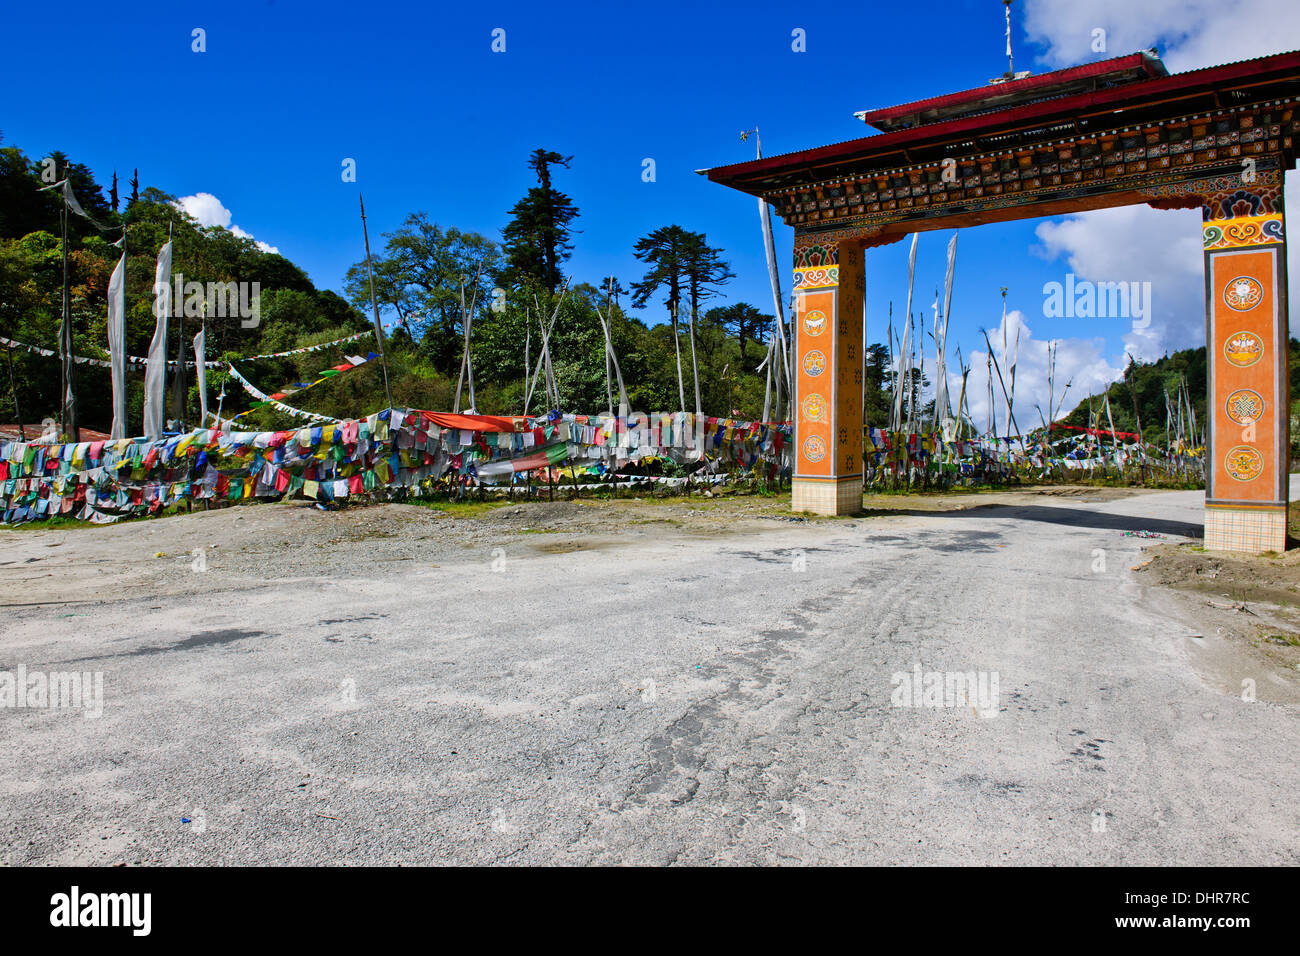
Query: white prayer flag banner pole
{"x": 156, "y": 371}
{"x": 202, "y": 375}
{"x": 117, "y": 345}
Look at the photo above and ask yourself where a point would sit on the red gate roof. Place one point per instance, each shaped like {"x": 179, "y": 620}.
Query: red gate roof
{"x": 1131, "y": 91}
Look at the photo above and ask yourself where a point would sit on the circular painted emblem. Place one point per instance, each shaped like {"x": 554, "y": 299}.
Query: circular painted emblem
{"x": 1245, "y": 406}
{"x": 814, "y": 448}
{"x": 1243, "y": 349}
{"x": 814, "y": 363}
{"x": 814, "y": 408}
{"x": 814, "y": 322}
{"x": 1243, "y": 293}
{"x": 1243, "y": 463}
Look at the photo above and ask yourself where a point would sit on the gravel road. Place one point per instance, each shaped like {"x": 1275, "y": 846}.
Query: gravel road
{"x": 699, "y": 684}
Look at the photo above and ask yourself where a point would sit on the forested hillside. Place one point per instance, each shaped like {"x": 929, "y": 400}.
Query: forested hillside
{"x": 293, "y": 310}
{"x": 421, "y": 268}
{"x": 1141, "y": 395}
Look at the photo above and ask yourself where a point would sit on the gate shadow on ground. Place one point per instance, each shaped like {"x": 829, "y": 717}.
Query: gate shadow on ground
{"x": 1069, "y": 517}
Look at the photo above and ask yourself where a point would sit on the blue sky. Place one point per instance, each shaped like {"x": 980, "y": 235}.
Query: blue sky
{"x": 438, "y": 122}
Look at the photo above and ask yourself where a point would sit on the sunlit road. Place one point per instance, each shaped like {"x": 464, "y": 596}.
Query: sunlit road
{"x": 689, "y": 699}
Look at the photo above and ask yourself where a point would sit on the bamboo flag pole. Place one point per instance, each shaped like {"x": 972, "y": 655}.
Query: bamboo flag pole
{"x": 469, "y": 336}
{"x": 961, "y": 397}
{"x": 889, "y": 344}
{"x": 611, "y": 357}
{"x": 988, "y": 371}
{"x": 374, "y": 305}
{"x": 13, "y": 387}
{"x": 913, "y": 385}
{"x": 947, "y": 314}
{"x": 906, "y": 347}
{"x": 551, "y": 380}
{"x": 1004, "y": 354}
{"x": 544, "y": 357}
{"x": 67, "y": 400}
{"x": 1011, "y": 415}
{"x": 466, "y": 323}
{"x": 464, "y": 351}
{"x": 769, "y": 251}
{"x": 677, "y": 347}
{"x": 767, "y": 386}
{"x": 695, "y": 368}
{"x": 539, "y": 365}
{"x": 1110, "y": 423}
{"x": 1137, "y": 415}
{"x": 1015, "y": 357}
{"x": 179, "y": 391}
{"x": 609, "y": 371}
{"x": 963, "y": 406}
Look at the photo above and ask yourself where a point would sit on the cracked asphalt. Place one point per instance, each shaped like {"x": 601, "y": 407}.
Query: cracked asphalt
{"x": 650, "y": 696}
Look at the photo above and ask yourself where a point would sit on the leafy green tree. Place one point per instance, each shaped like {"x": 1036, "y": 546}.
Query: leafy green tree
{"x": 419, "y": 278}
{"x": 23, "y": 207}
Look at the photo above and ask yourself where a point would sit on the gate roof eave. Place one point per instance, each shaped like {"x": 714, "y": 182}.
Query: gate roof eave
{"x": 1176, "y": 95}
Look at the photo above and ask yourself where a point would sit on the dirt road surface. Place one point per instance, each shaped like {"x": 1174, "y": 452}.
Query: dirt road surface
{"x": 701, "y": 681}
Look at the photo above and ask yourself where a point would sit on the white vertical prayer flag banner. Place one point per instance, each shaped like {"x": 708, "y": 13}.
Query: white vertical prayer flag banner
{"x": 156, "y": 369}
{"x": 905, "y": 352}
{"x": 202, "y": 374}
{"x": 117, "y": 345}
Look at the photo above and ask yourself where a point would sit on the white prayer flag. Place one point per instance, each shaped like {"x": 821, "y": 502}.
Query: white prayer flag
{"x": 117, "y": 345}
{"x": 156, "y": 370}
{"x": 202, "y": 374}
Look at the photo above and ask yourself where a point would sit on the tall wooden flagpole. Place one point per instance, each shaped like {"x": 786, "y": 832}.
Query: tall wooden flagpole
{"x": 68, "y": 400}
{"x": 374, "y": 305}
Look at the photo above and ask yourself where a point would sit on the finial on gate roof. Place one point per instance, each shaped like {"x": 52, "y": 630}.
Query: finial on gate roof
{"x": 1010, "y": 69}
{"x": 1011, "y": 73}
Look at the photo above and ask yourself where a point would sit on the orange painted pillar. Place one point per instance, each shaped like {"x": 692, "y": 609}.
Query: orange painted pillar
{"x": 1248, "y": 402}
{"x": 829, "y": 284}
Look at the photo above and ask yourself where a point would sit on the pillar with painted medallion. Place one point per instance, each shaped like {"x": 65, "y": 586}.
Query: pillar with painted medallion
{"x": 1248, "y": 401}
{"x": 829, "y": 284}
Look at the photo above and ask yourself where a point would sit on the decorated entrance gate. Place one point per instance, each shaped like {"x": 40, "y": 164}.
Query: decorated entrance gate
{"x": 1113, "y": 133}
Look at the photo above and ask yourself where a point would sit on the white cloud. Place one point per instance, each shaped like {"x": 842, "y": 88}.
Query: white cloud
{"x": 208, "y": 210}
{"x": 1079, "y": 361}
{"x": 1189, "y": 34}
{"x": 264, "y": 246}
{"x": 1138, "y": 242}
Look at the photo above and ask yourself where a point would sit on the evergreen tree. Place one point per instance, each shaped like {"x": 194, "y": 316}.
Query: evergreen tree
{"x": 742, "y": 320}
{"x": 703, "y": 269}
{"x": 878, "y": 379}
{"x": 537, "y": 236}
{"x": 613, "y": 288}
{"x": 24, "y": 208}
{"x": 666, "y": 250}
